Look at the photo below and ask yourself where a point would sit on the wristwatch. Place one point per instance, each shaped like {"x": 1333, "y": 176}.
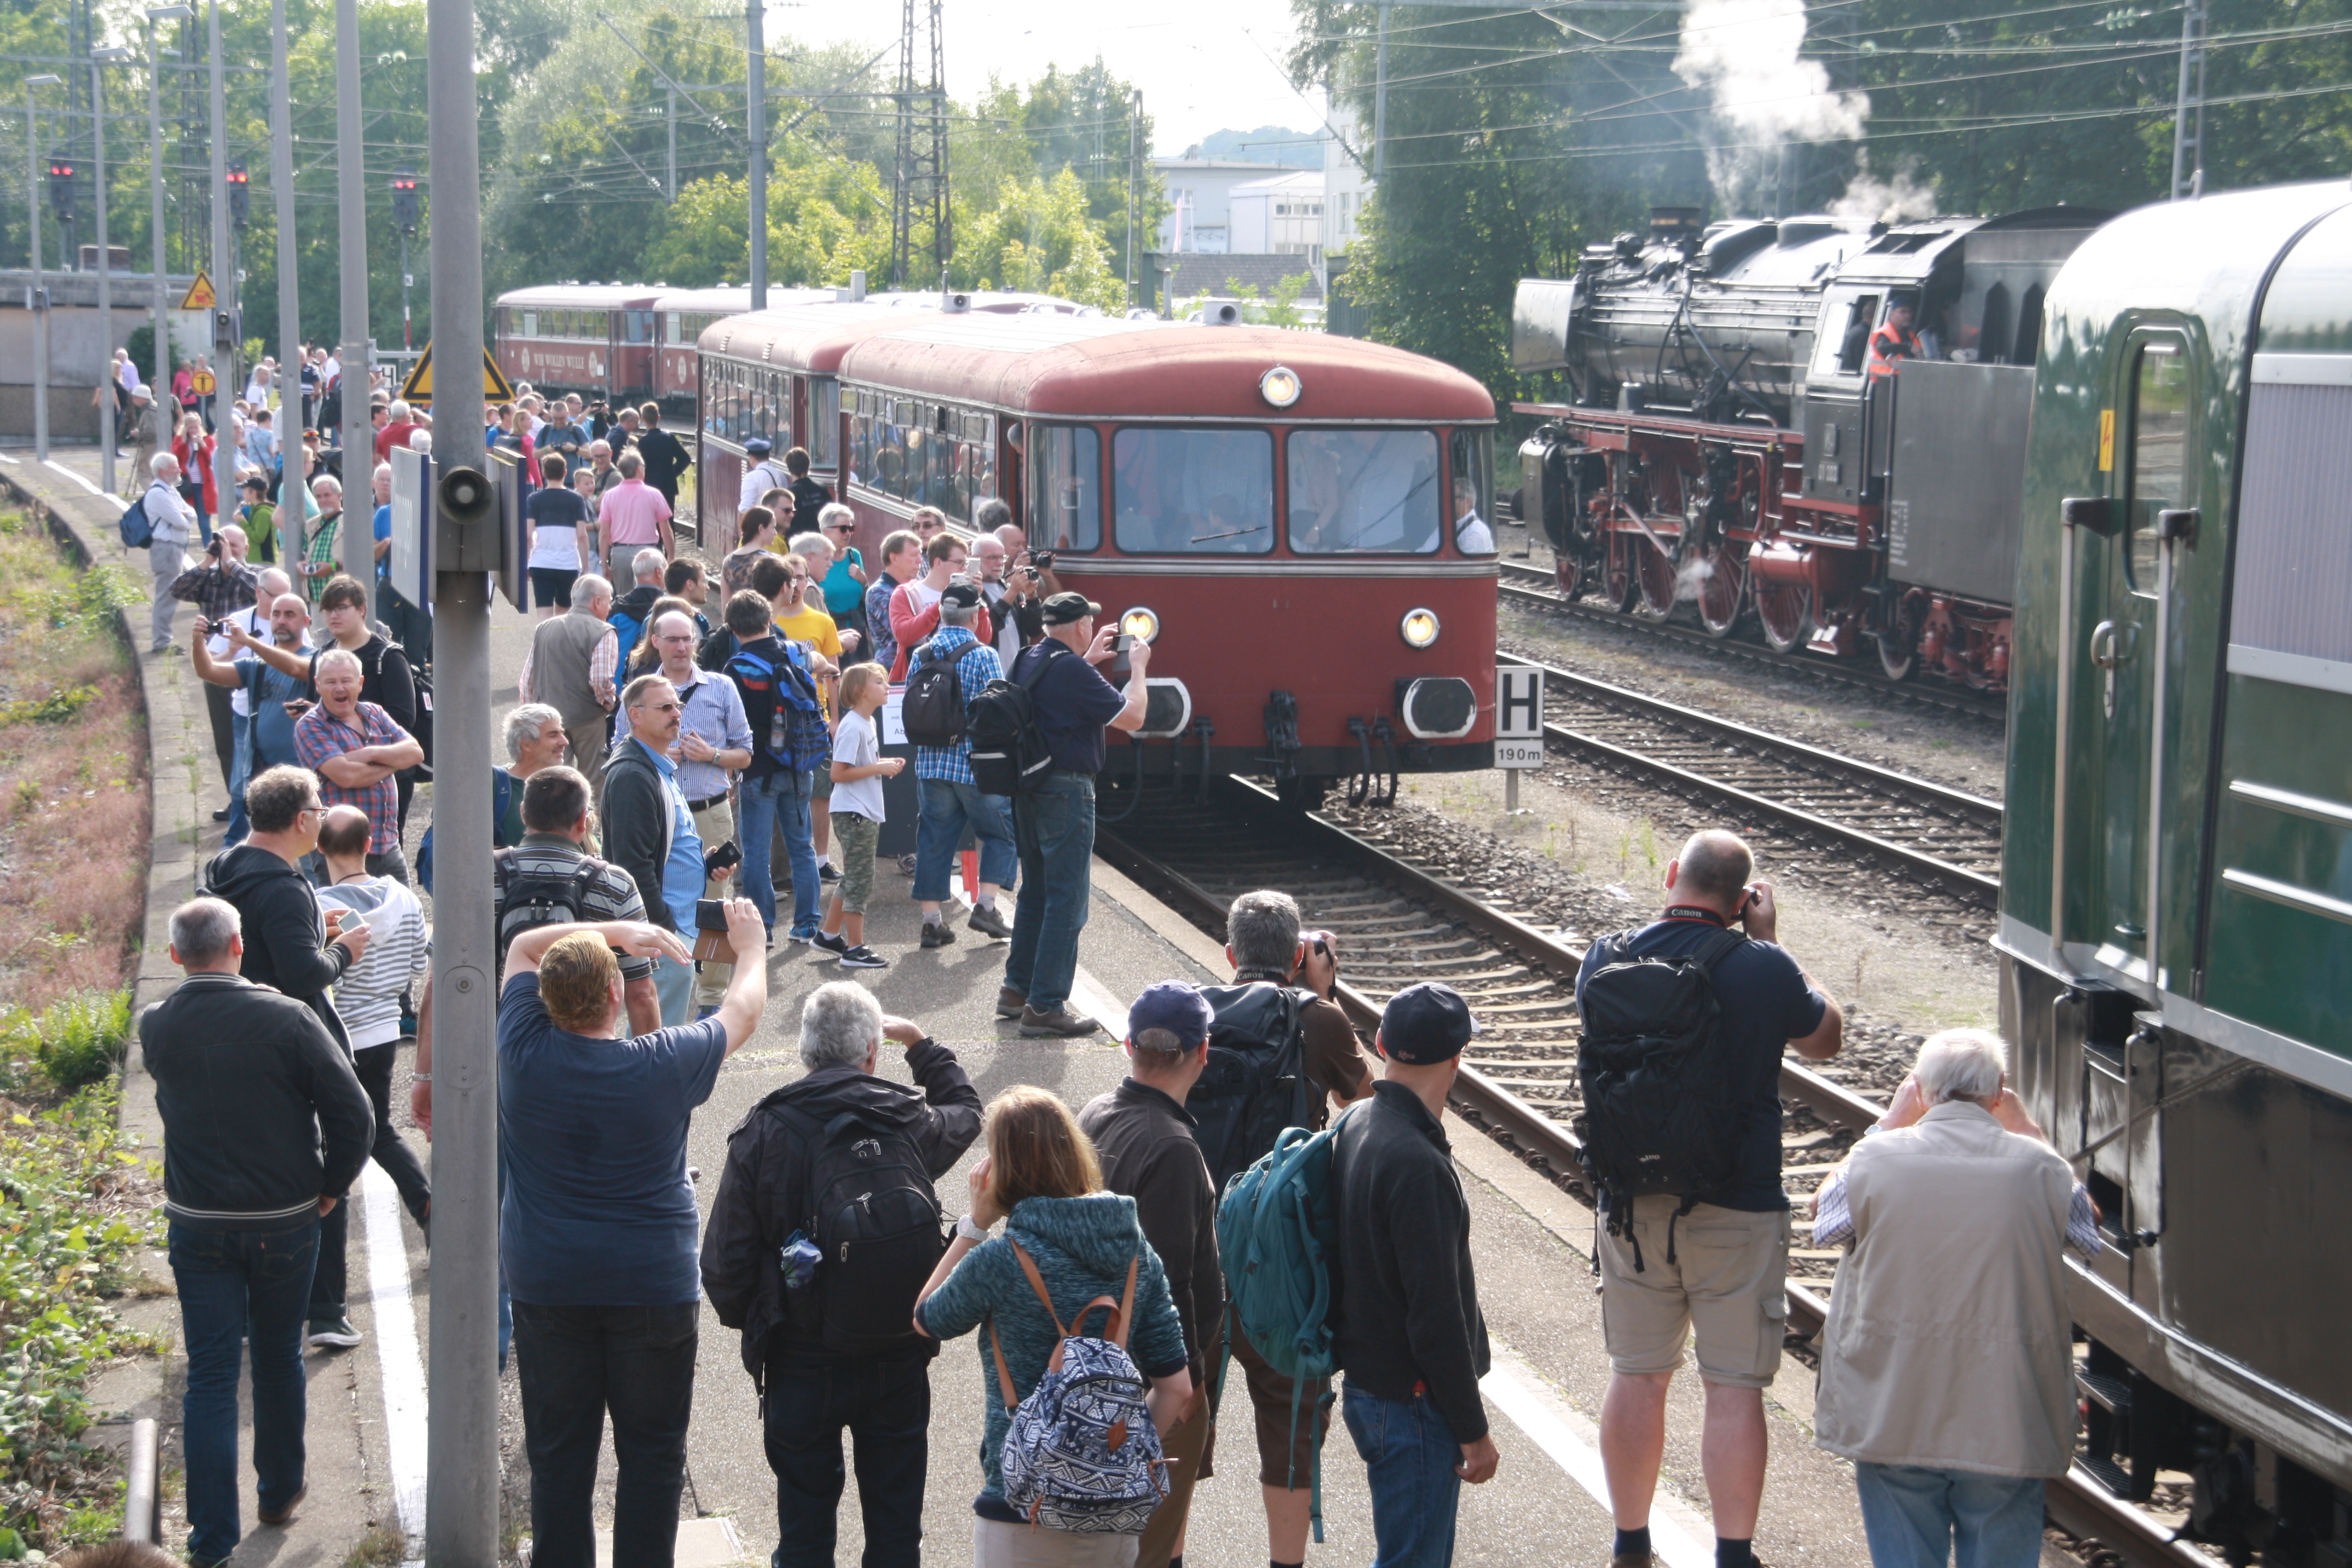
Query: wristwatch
{"x": 972, "y": 1230}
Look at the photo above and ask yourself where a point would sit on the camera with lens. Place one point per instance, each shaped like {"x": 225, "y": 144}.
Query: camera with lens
{"x": 1043, "y": 560}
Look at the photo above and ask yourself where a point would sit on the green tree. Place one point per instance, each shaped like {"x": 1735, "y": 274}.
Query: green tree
{"x": 1036, "y": 237}
{"x": 826, "y": 217}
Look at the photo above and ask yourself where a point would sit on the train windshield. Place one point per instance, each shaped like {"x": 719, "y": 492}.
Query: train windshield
{"x": 1065, "y": 488}
{"x": 1193, "y": 492}
{"x": 1363, "y": 490}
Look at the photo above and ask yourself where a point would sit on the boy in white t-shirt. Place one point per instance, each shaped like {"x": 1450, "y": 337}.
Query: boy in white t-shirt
{"x": 858, "y": 769}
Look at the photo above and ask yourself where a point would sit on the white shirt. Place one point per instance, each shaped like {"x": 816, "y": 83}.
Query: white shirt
{"x": 256, "y": 621}
{"x": 764, "y": 477}
{"x": 854, "y": 744}
{"x": 169, "y": 519}
{"x": 128, "y": 374}
{"x": 1471, "y": 533}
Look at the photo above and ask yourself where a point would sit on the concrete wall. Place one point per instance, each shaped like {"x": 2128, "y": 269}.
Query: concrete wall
{"x": 78, "y": 358}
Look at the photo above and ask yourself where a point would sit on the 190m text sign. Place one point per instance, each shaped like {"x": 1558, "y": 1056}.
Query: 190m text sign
{"x": 1519, "y": 715}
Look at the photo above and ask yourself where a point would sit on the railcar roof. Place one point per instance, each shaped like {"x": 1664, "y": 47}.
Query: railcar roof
{"x": 1102, "y": 366}
{"x": 809, "y": 337}
{"x": 581, "y": 296}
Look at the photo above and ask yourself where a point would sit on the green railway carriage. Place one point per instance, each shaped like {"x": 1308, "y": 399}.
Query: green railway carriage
{"x": 2175, "y": 929}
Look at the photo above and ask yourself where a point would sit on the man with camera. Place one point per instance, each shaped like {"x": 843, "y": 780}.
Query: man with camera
{"x": 219, "y": 586}
{"x": 1703, "y": 1257}
{"x": 714, "y": 744}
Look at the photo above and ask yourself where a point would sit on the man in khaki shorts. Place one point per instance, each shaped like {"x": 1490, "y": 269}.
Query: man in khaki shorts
{"x": 1713, "y": 1274}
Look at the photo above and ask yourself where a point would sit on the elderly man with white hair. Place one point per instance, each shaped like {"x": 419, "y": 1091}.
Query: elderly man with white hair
{"x": 355, "y": 748}
{"x": 170, "y": 523}
{"x": 1947, "y": 1363}
{"x": 852, "y": 1358}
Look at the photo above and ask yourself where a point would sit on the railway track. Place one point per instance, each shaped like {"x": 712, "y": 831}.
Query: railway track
{"x": 1925, "y": 830}
{"x": 1535, "y": 587}
{"x": 1398, "y": 924}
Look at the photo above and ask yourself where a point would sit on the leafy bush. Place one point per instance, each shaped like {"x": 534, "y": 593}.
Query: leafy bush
{"x": 68, "y": 1231}
{"x": 75, "y": 1042}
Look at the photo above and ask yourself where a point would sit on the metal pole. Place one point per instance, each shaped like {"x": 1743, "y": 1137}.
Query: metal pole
{"x": 1134, "y": 182}
{"x": 756, "y": 101}
{"x": 162, "y": 388}
{"x": 289, "y": 428}
{"x": 2189, "y": 106}
{"x": 462, "y": 1441}
{"x": 224, "y": 260}
{"x": 1380, "y": 98}
{"x": 407, "y": 322}
{"x": 670, "y": 119}
{"x": 109, "y": 384}
{"x": 358, "y": 540}
{"x": 40, "y": 293}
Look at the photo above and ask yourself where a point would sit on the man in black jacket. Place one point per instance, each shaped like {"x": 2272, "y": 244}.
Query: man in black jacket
{"x": 262, "y": 879}
{"x": 666, "y": 457}
{"x": 1145, "y": 1140}
{"x": 263, "y": 1123}
{"x": 1409, "y": 1333}
{"x": 810, "y": 1394}
{"x": 649, "y": 829}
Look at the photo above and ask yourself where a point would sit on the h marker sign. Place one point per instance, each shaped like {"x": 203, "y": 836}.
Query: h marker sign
{"x": 1519, "y": 715}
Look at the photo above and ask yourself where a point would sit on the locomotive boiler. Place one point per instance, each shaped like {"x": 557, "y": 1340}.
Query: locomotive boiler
{"x": 1737, "y": 435}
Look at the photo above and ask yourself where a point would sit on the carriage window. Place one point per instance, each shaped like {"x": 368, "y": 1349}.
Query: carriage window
{"x": 1194, "y": 492}
{"x": 1354, "y": 490}
{"x": 530, "y": 323}
{"x": 1065, "y": 488}
{"x": 2160, "y": 434}
{"x": 641, "y": 327}
{"x": 825, "y": 420}
{"x": 1473, "y": 512}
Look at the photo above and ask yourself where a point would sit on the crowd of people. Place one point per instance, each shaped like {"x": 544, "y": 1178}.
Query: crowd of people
{"x": 687, "y": 752}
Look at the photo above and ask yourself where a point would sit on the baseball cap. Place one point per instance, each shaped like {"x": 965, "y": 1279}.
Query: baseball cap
{"x": 1425, "y": 1024}
{"x": 759, "y": 445}
{"x": 1063, "y": 609}
{"x": 963, "y": 595}
{"x": 1174, "y": 1006}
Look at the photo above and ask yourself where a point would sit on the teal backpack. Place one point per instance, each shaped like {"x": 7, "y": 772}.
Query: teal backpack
{"x": 1273, "y": 1233}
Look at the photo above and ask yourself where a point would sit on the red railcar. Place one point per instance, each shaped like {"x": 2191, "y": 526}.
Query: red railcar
{"x": 595, "y": 339}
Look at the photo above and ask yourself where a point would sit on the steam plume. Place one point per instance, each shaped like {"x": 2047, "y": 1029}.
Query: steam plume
{"x": 1745, "y": 55}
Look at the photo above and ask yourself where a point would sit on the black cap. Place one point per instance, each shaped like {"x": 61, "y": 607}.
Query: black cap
{"x": 961, "y": 595}
{"x": 1425, "y": 1024}
{"x": 1066, "y": 609}
{"x": 759, "y": 445}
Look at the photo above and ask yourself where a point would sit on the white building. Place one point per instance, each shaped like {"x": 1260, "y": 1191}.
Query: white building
{"x": 1346, "y": 183}
{"x": 1200, "y": 200}
{"x": 1280, "y": 216}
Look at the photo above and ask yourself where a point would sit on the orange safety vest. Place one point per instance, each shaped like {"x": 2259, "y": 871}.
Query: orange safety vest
{"x": 1890, "y": 344}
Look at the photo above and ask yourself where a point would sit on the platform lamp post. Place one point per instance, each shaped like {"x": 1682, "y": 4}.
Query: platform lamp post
{"x": 110, "y": 423}
{"x": 40, "y": 293}
{"x": 161, "y": 389}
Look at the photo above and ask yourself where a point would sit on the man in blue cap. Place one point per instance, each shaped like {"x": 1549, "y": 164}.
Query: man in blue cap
{"x": 1144, "y": 1140}
{"x": 762, "y": 474}
{"x": 1409, "y": 1333}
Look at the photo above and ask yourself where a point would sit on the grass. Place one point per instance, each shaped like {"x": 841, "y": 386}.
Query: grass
{"x": 74, "y": 810}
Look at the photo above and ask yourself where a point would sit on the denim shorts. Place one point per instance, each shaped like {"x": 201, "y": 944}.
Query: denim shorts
{"x": 855, "y": 838}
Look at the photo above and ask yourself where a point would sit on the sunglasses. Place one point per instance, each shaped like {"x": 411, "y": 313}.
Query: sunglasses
{"x": 841, "y": 528}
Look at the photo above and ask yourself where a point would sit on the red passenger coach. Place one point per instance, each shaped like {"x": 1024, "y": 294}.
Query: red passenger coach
{"x": 595, "y": 339}
{"x": 1296, "y": 523}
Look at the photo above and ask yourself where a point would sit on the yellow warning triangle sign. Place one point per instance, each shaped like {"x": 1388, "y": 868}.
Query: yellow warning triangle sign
{"x": 419, "y": 388}
{"x": 200, "y": 295}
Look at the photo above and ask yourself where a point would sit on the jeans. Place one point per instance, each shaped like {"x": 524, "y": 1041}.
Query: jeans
{"x": 949, "y": 807}
{"x": 673, "y": 986}
{"x": 220, "y": 710}
{"x": 240, "y": 774}
{"x": 1409, "y": 1453}
{"x": 577, "y": 1364}
{"x": 232, "y": 1283}
{"x": 778, "y": 803}
{"x": 887, "y": 1406}
{"x": 1054, "y": 827}
{"x": 329, "y": 1297}
{"x": 1917, "y": 1518}
{"x": 374, "y": 1064}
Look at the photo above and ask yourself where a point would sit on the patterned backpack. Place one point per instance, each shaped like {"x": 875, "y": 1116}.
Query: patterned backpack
{"x": 1081, "y": 1454}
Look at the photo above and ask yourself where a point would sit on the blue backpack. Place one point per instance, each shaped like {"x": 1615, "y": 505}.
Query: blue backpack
{"x": 1274, "y": 1232}
{"x": 138, "y": 529}
{"x": 796, "y": 738}
{"x": 627, "y": 628}
{"x": 1081, "y": 1453}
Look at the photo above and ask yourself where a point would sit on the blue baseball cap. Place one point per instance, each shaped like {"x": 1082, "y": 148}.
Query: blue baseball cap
{"x": 1425, "y": 1024}
{"x": 1174, "y": 1006}
{"x": 759, "y": 445}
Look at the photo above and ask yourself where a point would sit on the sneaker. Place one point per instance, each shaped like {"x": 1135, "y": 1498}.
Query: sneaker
{"x": 803, "y": 937}
{"x": 335, "y": 1331}
{"x": 937, "y": 933}
{"x": 825, "y": 873}
{"x": 279, "y": 1515}
{"x": 1010, "y": 1004}
{"x": 1061, "y": 1023}
{"x": 986, "y": 918}
{"x": 835, "y": 945}
{"x": 905, "y": 864}
{"x": 165, "y": 647}
{"x": 863, "y": 958}
{"x": 221, "y": 816}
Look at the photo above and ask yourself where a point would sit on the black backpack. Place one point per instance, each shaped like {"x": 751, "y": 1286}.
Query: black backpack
{"x": 874, "y": 1218}
{"x": 1255, "y": 1083}
{"x": 932, "y": 709}
{"x": 528, "y": 899}
{"x": 1009, "y": 754}
{"x": 1660, "y": 1114}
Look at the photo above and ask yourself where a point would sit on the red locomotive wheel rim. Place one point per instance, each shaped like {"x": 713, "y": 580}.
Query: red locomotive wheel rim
{"x": 1785, "y": 611}
{"x": 1657, "y": 581}
{"x": 1724, "y": 593}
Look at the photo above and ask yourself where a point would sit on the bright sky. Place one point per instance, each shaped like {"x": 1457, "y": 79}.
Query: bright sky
{"x": 1202, "y": 64}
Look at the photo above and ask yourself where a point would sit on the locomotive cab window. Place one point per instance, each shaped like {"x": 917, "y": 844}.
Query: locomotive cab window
{"x": 1355, "y": 491}
{"x": 1065, "y": 487}
{"x": 1193, "y": 492}
{"x": 1472, "y": 513}
{"x": 1847, "y": 324}
{"x": 2160, "y": 441}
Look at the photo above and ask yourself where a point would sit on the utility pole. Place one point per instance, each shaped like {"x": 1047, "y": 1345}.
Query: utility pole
{"x": 1134, "y": 183}
{"x": 669, "y": 118}
{"x": 755, "y": 93}
{"x": 40, "y": 293}
{"x": 281, "y": 185}
{"x": 1380, "y": 96}
{"x": 160, "y": 391}
{"x": 462, "y": 1437}
{"x": 404, "y": 218}
{"x": 2189, "y": 105}
{"x": 919, "y": 184}
{"x": 358, "y": 542}
{"x": 224, "y": 339}
{"x": 110, "y": 387}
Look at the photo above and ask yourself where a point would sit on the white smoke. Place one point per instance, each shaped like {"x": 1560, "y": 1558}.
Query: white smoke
{"x": 1747, "y": 56}
{"x": 1899, "y": 199}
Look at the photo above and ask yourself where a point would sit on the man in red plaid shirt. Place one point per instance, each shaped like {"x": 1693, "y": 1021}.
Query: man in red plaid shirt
{"x": 356, "y": 748}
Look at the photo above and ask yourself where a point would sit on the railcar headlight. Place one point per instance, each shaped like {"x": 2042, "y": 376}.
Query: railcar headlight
{"x": 1419, "y": 627}
{"x": 1140, "y": 624}
{"x": 1280, "y": 386}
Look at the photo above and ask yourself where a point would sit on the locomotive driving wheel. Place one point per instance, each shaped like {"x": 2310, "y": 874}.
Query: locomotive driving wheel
{"x": 1656, "y": 574}
{"x": 1621, "y": 578}
{"x": 1723, "y": 591}
{"x": 1784, "y": 612}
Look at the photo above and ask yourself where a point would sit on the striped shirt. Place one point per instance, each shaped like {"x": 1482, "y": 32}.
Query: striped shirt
{"x": 611, "y": 897}
{"x": 1833, "y": 1221}
{"x": 399, "y": 952}
{"x": 975, "y": 668}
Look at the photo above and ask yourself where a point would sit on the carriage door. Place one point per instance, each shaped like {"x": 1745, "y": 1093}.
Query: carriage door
{"x": 2122, "y": 657}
